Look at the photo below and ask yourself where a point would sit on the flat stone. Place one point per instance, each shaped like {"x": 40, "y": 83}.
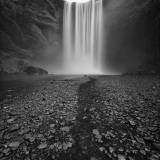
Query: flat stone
{"x": 24, "y": 131}
{"x": 14, "y": 145}
{"x": 65, "y": 129}
{"x": 42, "y": 146}
{"x": 121, "y": 157}
{"x": 14, "y": 128}
{"x": 11, "y": 120}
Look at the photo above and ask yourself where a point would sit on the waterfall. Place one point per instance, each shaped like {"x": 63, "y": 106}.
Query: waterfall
{"x": 82, "y": 36}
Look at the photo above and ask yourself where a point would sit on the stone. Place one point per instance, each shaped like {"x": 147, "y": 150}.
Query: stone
{"x": 42, "y": 146}
{"x": 121, "y": 157}
{"x": 132, "y": 122}
{"x": 14, "y": 145}
{"x": 14, "y": 128}
{"x": 24, "y": 131}
{"x": 65, "y": 129}
{"x": 29, "y": 137}
{"x": 11, "y": 120}
{"x": 52, "y": 125}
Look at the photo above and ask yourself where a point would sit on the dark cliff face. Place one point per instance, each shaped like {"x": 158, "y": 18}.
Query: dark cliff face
{"x": 30, "y": 31}
{"x": 132, "y": 37}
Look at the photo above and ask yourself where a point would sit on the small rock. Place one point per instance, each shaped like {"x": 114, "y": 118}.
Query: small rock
{"x": 92, "y": 109}
{"x": 24, "y": 131}
{"x": 40, "y": 136}
{"x": 102, "y": 149}
{"x": 67, "y": 145}
{"x": 139, "y": 140}
{"x": 42, "y": 146}
{"x": 132, "y": 122}
{"x": 52, "y": 125}
{"x": 121, "y": 157}
{"x": 154, "y": 157}
{"x": 6, "y": 151}
{"x": 152, "y": 129}
{"x": 14, "y": 128}
{"x": 14, "y": 145}
{"x": 148, "y": 139}
{"x": 52, "y": 131}
{"x": 25, "y": 150}
{"x": 121, "y": 149}
{"x": 85, "y": 117}
{"x": 65, "y": 129}
{"x": 10, "y": 120}
{"x": 95, "y": 132}
{"x": 29, "y": 137}
{"x": 143, "y": 152}
{"x": 111, "y": 149}
{"x": 97, "y": 135}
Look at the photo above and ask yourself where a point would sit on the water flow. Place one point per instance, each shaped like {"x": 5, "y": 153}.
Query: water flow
{"x": 82, "y": 37}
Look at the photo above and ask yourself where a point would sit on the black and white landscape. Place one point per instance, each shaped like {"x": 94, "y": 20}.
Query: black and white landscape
{"x": 79, "y": 80}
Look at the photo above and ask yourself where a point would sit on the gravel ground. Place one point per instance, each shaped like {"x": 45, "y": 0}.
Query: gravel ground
{"x": 80, "y": 118}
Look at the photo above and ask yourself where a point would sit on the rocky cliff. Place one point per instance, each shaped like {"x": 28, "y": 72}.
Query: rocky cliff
{"x": 30, "y": 32}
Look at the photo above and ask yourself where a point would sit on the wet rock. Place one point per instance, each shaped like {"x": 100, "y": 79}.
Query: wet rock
{"x": 121, "y": 149}
{"x": 152, "y": 129}
{"x": 121, "y": 157}
{"x": 148, "y": 139}
{"x": 132, "y": 122}
{"x": 111, "y": 149}
{"x": 11, "y": 120}
{"x": 25, "y": 150}
{"x": 6, "y": 151}
{"x": 29, "y": 137}
{"x": 65, "y": 129}
{"x": 143, "y": 152}
{"x": 14, "y": 128}
{"x": 14, "y": 145}
{"x": 154, "y": 157}
{"x": 102, "y": 149}
{"x": 97, "y": 135}
{"x": 67, "y": 145}
{"x": 93, "y": 158}
{"x": 42, "y": 146}
{"x": 139, "y": 140}
{"x": 52, "y": 125}
{"x": 24, "y": 131}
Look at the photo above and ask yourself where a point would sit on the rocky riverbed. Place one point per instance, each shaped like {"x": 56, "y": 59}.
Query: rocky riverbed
{"x": 80, "y": 118}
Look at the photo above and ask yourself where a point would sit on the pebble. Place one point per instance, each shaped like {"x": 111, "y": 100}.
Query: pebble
{"x": 10, "y": 120}
{"x": 121, "y": 157}
{"x": 157, "y": 146}
{"x": 14, "y": 145}
{"x": 42, "y": 146}
{"x": 14, "y": 128}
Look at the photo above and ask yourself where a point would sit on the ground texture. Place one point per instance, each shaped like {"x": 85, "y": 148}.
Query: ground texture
{"x": 85, "y": 118}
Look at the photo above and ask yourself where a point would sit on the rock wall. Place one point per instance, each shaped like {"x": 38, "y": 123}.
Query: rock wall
{"x": 29, "y": 31}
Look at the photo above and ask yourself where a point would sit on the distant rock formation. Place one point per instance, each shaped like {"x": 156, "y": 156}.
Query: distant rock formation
{"x": 29, "y": 31}
{"x": 17, "y": 67}
{"x": 30, "y": 70}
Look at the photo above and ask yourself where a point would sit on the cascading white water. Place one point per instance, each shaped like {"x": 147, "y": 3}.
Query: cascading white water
{"x": 82, "y": 36}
